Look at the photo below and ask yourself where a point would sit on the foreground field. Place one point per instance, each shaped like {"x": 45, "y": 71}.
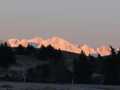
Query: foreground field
{"x": 36, "y": 86}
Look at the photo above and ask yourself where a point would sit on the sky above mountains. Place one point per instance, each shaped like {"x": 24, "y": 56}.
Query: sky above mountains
{"x": 94, "y": 22}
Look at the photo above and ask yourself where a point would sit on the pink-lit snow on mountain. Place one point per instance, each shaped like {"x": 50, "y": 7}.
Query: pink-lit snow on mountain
{"x": 59, "y": 43}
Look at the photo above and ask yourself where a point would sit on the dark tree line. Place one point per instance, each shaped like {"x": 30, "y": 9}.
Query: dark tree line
{"x": 86, "y": 69}
{"x": 7, "y": 56}
{"x": 100, "y": 70}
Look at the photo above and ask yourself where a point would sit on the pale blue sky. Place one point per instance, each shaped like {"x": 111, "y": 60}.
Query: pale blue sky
{"x": 94, "y": 22}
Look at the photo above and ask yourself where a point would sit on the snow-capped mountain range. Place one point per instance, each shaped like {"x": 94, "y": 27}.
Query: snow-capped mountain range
{"x": 59, "y": 43}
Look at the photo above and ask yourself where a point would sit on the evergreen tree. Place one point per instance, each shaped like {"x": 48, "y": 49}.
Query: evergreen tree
{"x": 82, "y": 69}
{"x": 30, "y": 50}
{"x": 111, "y": 69}
{"x": 7, "y": 57}
{"x": 20, "y": 50}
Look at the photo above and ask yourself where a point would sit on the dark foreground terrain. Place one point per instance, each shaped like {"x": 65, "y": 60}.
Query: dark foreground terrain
{"x": 36, "y": 86}
{"x": 23, "y": 67}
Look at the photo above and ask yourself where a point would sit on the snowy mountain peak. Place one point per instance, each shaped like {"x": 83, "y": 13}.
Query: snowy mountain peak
{"x": 59, "y": 43}
{"x": 38, "y": 41}
{"x": 87, "y": 50}
{"x": 104, "y": 50}
{"x": 13, "y": 42}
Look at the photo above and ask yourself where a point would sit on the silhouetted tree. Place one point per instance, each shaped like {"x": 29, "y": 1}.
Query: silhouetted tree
{"x": 98, "y": 73}
{"x": 30, "y": 50}
{"x": 111, "y": 72}
{"x": 82, "y": 69}
{"x": 59, "y": 72}
{"x": 20, "y": 50}
{"x": 48, "y": 53}
{"x": 7, "y": 57}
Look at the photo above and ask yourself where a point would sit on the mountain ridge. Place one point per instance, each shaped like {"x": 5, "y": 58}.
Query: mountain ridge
{"x": 60, "y": 43}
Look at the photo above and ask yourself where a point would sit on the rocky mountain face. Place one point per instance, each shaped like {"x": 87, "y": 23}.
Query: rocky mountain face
{"x": 59, "y": 43}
